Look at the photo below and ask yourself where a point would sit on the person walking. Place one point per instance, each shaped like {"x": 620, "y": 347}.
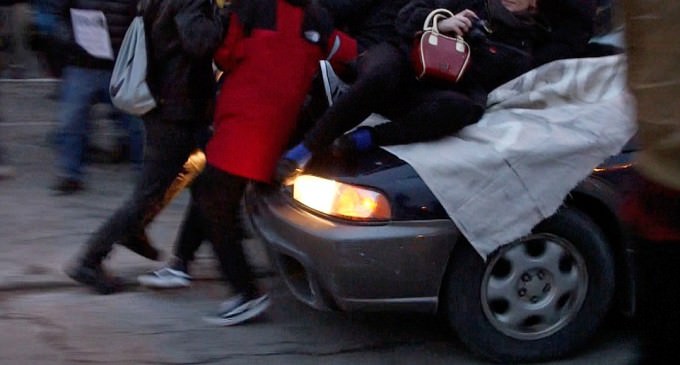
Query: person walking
{"x": 256, "y": 111}
{"x": 651, "y": 211}
{"x": 85, "y": 78}
{"x": 182, "y": 36}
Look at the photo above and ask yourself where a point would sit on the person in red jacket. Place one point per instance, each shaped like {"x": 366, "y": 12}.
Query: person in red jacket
{"x": 270, "y": 55}
{"x": 256, "y": 106}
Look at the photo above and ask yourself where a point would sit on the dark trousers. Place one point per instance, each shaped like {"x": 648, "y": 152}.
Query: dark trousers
{"x": 659, "y": 301}
{"x": 385, "y": 84}
{"x": 215, "y": 213}
{"x": 191, "y": 234}
{"x": 168, "y": 145}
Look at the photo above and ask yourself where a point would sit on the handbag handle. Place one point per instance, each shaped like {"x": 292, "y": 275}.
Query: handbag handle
{"x": 434, "y": 17}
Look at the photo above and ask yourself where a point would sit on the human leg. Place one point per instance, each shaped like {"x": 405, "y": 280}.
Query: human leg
{"x": 218, "y": 195}
{"x": 78, "y": 92}
{"x": 168, "y": 146}
{"x": 652, "y": 210}
{"x": 428, "y": 114}
{"x": 131, "y": 143}
{"x": 175, "y": 274}
{"x": 190, "y": 237}
{"x": 379, "y": 73}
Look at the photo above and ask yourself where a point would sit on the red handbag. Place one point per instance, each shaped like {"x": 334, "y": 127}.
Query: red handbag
{"x": 438, "y": 56}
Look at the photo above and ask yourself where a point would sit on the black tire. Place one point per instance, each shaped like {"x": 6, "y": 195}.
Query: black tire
{"x": 481, "y": 328}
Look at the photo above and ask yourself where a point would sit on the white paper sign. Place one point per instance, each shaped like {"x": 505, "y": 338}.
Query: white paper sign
{"x": 92, "y": 33}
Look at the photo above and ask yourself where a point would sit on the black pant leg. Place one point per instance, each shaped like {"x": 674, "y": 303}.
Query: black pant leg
{"x": 427, "y": 113}
{"x": 380, "y": 71}
{"x": 659, "y": 301}
{"x": 218, "y": 195}
{"x": 191, "y": 234}
{"x": 167, "y": 148}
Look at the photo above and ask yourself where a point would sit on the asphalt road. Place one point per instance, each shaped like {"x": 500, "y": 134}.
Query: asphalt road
{"x": 47, "y": 319}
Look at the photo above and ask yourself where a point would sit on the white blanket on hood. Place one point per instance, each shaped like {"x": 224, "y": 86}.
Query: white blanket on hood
{"x": 542, "y": 134}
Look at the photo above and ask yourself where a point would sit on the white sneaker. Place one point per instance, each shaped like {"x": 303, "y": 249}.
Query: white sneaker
{"x": 332, "y": 84}
{"x": 165, "y": 278}
{"x": 239, "y": 309}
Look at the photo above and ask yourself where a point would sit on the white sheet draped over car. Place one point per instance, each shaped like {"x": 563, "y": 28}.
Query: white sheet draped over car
{"x": 542, "y": 134}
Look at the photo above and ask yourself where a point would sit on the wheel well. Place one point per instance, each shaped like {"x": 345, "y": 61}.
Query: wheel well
{"x": 607, "y": 220}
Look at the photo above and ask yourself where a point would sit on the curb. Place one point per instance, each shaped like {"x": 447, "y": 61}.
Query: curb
{"x": 18, "y": 286}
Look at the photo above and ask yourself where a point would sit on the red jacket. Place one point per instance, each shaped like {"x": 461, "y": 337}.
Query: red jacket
{"x": 269, "y": 72}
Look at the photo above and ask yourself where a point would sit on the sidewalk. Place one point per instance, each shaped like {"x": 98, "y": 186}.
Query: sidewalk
{"x": 39, "y": 232}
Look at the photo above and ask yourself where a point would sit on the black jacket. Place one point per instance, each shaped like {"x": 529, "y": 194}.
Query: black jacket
{"x": 181, "y": 36}
{"x": 119, "y": 15}
{"x": 261, "y": 14}
{"x": 572, "y": 25}
{"x": 369, "y": 21}
{"x": 495, "y": 58}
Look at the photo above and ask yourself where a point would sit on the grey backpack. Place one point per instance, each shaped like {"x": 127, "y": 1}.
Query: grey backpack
{"x": 128, "y": 88}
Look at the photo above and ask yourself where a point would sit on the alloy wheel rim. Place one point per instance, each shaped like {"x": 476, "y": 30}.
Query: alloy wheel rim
{"x": 534, "y": 287}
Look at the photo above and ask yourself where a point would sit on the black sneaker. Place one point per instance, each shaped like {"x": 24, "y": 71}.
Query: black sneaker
{"x": 95, "y": 277}
{"x": 239, "y": 309}
{"x": 67, "y": 186}
{"x": 141, "y": 245}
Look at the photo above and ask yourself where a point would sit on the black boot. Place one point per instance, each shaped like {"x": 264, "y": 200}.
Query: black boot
{"x": 94, "y": 276}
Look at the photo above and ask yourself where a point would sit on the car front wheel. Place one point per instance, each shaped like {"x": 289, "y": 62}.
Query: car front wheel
{"x": 537, "y": 298}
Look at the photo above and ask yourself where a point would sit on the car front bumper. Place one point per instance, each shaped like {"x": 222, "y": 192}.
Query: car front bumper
{"x": 334, "y": 264}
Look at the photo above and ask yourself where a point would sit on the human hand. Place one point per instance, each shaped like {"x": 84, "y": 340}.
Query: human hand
{"x": 460, "y": 23}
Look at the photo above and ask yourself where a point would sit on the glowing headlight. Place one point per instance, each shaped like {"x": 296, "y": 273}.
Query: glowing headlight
{"x": 338, "y": 199}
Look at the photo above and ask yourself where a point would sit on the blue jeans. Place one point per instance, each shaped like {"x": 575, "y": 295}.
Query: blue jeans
{"x": 134, "y": 138}
{"x": 80, "y": 89}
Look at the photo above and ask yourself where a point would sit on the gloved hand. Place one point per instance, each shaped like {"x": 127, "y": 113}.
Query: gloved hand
{"x": 292, "y": 164}
{"x": 359, "y": 140}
